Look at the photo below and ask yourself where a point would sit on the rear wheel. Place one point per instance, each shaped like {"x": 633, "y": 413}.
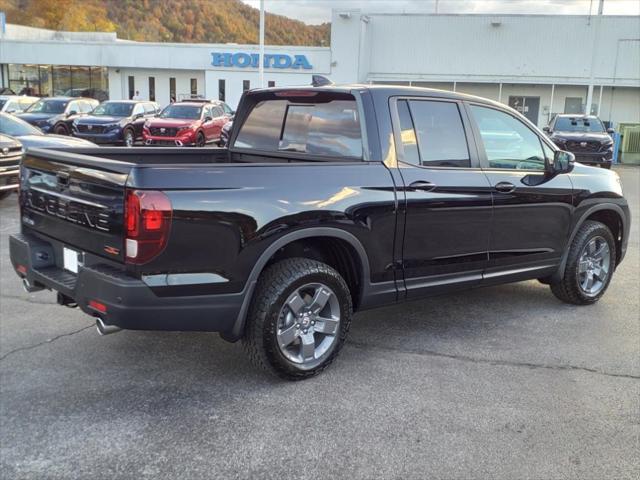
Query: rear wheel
{"x": 590, "y": 265}
{"x": 200, "y": 140}
{"x": 61, "y": 129}
{"x": 299, "y": 318}
{"x": 129, "y": 138}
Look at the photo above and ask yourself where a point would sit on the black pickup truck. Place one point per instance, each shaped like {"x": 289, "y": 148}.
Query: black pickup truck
{"x": 329, "y": 200}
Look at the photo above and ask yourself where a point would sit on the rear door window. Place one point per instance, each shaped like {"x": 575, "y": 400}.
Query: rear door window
{"x": 440, "y": 135}
{"x": 330, "y": 128}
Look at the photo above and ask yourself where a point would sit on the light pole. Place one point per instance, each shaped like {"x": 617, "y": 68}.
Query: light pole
{"x": 594, "y": 51}
{"x": 261, "y": 62}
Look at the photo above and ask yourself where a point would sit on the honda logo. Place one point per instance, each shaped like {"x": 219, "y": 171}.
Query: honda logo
{"x": 583, "y": 144}
{"x": 89, "y": 127}
{"x": 5, "y": 151}
{"x": 162, "y": 130}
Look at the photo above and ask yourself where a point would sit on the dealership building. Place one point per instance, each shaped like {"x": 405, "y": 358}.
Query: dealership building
{"x": 539, "y": 64}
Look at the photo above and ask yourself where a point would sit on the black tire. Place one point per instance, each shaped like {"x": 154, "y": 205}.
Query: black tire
{"x": 201, "y": 141}
{"x": 568, "y": 288}
{"x": 607, "y": 166}
{"x": 275, "y": 285}
{"x": 61, "y": 129}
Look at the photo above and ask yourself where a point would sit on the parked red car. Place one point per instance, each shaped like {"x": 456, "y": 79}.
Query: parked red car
{"x": 187, "y": 123}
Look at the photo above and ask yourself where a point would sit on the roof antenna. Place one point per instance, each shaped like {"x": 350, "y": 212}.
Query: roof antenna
{"x": 320, "y": 81}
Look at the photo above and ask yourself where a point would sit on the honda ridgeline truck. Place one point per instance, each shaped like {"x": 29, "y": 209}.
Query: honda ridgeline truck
{"x": 328, "y": 200}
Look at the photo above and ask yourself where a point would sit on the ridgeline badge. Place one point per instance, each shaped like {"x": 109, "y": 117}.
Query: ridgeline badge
{"x": 250, "y": 60}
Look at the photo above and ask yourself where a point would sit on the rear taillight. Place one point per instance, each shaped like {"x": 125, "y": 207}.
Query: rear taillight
{"x": 147, "y": 222}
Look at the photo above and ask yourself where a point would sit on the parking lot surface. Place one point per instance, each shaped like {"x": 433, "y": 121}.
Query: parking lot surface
{"x": 504, "y": 382}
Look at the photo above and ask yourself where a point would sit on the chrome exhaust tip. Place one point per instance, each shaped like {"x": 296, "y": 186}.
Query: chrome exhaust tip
{"x": 30, "y": 287}
{"x": 104, "y": 329}
{"x": 179, "y": 143}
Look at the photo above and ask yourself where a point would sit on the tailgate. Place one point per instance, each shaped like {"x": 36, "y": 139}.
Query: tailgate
{"x": 76, "y": 199}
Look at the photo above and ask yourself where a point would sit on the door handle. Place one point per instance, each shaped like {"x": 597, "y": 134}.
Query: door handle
{"x": 505, "y": 187}
{"x": 422, "y": 185}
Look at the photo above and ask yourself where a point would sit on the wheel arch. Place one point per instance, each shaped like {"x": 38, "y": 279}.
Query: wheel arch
{"x": 287, "y": 245}
{"x": 609, "y": 214}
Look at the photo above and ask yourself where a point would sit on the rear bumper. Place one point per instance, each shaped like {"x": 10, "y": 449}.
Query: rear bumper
{"x": 128, "y": 302}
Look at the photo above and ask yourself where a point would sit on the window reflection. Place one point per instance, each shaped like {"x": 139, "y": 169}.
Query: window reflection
{"x": 59, "y": 80}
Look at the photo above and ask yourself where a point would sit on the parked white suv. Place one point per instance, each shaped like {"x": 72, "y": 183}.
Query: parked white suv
{"x": 16, "y": 103}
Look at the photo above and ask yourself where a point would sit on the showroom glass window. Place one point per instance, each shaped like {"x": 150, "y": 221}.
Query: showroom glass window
{"x": 152, "y": 89}
{"x": 508, "y": 142}
{"x": 246, "y": 85}
{"x": 271, "y": 83}
{"x": 194, "y": 86}
{"x": 432, "y": 131}
{"x": 221, "y": 89}
{"x": 172, "y": 89}
{"x": 59, "y": 80}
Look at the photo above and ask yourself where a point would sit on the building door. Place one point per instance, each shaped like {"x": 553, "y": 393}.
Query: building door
{"x": 527, "y": 106}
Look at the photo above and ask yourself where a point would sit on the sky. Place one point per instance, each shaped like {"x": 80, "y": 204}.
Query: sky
{"x": 319, "y": 11}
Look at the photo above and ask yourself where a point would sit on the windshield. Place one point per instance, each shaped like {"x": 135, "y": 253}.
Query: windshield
{"x": 14, "y": 127}
{"x": 187, "y": 112}
{"x": 113, "y": 109}
{"x": 48, "y": 106}
{"x": 568, "y": 124}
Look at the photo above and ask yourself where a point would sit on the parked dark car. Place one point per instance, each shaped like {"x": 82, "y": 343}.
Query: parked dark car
{"x": 56, "y": 114}
{"x": 225, "y": 134}
{"x": 10, "y": 156}
{"x": 116, "y": 122}
{"x": 32, "y": 137}
{"x": 329, "y": 200}
{"x": 192, "y": 122}
{"x": 583, "y": 135}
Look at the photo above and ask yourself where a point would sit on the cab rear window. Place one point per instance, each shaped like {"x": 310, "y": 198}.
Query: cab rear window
{"x": 328, "y": 128}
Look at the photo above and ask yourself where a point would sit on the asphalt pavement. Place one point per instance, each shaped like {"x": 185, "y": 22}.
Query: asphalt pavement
{"x": 504, "y": 382}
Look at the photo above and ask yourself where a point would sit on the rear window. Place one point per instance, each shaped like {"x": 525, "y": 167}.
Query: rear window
{"x": 330, "y": 128}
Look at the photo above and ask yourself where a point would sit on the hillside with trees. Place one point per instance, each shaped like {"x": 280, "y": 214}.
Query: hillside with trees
{"x": 185, "y": 21}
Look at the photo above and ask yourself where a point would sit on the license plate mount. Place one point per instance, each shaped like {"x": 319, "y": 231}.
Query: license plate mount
{"x": 70, "y": 259}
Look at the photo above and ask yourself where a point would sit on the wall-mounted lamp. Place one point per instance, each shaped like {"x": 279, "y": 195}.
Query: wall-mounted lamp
{"x": 345, "y": 15}
{"x": 496, "y": 23}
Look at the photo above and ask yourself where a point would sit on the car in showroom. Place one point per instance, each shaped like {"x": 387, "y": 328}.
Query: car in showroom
{"x": 115, "y": 122}
{"x": 10, "y": 156}
{"x": 16, "y": 103}
{"x": 32, "y": 137}
{"x": 190, "y": 122}
{"x": 328, "y": 200}
{"x": 56, "y": 114}
{"x": 583, "y": 135}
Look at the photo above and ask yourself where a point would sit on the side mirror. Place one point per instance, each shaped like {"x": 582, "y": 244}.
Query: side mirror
{"x": 11, "y": 111}
{"x": 208, "y": 119}
{"x": 610, "y": 131}
{"x": 562, "y": 162}
{"x": 72, "y": 112}
{"x": 137, "y": 116}
{"x": 546, "y": 130}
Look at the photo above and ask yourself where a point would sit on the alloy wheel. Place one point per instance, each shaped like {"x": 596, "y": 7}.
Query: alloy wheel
{"x": 309, "y": 325}
{"x": 594, "y": 265}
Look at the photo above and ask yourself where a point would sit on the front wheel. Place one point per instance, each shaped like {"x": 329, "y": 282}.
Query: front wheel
{"x": 61, "y": 130}
{"x": 590, "y": 265}
{"x": 201, "y": 141}
{"x": 299, "y": 318}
